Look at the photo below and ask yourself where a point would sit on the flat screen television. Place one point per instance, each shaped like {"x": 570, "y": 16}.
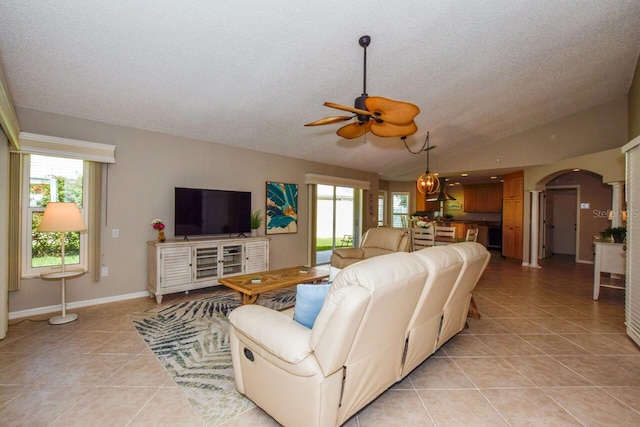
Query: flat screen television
{"x": 200, "y": 212}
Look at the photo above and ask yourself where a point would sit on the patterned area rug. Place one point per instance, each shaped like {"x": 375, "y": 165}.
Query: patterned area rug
{"x": 191, "y": 339}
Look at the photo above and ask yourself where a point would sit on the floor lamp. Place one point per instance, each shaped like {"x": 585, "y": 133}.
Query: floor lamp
{"x": 62, "y": 217}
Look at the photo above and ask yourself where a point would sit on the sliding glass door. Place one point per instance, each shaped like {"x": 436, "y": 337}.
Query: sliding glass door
{"x": 337, "y": 220}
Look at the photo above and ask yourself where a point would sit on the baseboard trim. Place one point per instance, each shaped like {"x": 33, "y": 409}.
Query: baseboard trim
{"x": 76, "y": 304}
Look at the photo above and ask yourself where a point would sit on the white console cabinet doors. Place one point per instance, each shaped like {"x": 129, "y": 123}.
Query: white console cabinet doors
{"x": 181, "y": 266}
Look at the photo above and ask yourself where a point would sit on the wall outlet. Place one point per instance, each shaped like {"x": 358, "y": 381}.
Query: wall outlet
{"x": 104, "y": 272}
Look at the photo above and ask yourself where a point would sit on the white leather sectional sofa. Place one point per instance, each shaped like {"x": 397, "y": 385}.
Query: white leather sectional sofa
{"x": 381, "y": 318}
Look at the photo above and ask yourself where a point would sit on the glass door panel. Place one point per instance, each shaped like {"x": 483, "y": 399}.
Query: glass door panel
{"x": 336, "y": 220}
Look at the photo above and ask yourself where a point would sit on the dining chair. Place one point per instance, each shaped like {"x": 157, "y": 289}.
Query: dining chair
{"x": 472, "y": 235}
{"x": 448, "y": 234}
{"x": 422, "y": 237}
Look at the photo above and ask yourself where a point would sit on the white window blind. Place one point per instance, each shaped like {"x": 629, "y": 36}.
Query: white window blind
{"x": 632, "y": 294}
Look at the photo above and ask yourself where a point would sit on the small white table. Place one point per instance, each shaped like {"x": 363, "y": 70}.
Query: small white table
{"x": 63, "y": 275}
{"x": 610, "y": 258}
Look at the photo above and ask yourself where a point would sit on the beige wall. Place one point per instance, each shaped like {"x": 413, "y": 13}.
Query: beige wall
{"x": 594, "y": 130}
{"x": 634, "y": 104}
{"x": 140, "y": 188}
{"x": 4, "y": 228}
{"x": 590, "y": 189}
{"x": 609, "y": 164}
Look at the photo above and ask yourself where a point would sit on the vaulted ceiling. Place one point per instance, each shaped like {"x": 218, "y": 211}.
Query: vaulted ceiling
{"x": 250, "y": 74}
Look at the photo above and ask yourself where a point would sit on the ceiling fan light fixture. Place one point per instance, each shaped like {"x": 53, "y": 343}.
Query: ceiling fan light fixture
{"x": 383, "y": 117}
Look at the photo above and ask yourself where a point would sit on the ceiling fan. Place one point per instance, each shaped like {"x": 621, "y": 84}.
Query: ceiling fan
{"x": 382, "y": 117}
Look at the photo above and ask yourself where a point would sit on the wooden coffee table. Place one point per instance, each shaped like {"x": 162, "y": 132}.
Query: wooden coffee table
{"x": 252, "y": 285}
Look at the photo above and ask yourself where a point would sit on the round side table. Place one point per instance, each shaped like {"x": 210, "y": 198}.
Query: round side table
{"x": 63, "y": 275}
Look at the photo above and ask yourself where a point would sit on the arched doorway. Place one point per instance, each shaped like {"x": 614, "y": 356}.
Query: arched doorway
{"x": 575, "y": 207}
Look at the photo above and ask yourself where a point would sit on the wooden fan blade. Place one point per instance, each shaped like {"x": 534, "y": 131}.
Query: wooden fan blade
{"x": 347, "y": 108}
{"x": 354, "y": 130}
{"x": 392, "y": 111}
{"x": 330, "y": 120}
{"x": 388, "y": 130}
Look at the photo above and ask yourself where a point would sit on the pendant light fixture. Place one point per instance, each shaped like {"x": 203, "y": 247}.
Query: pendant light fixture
{"x": 428, "y": 183}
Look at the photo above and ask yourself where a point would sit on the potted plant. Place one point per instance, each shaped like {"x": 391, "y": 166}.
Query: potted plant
{"x": 617, "y": 233}
{"x": 256, "y": 221}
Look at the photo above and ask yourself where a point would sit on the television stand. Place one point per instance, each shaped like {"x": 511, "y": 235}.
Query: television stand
{"x": 180, "y": 266}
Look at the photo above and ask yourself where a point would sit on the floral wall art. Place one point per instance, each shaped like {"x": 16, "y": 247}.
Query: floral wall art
{"x": 282, "y": 208}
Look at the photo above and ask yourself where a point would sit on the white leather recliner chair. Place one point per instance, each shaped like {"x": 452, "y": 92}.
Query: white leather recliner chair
{"x": 375, "y": 242}
{"x": 323, "y": 376}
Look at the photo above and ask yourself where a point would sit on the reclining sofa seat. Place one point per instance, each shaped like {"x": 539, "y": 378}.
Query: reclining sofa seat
{"x": 324, "y": 375}
{"x": 444, "y": 266}
{"x": 475, "y": 260}
{"x": 375, "y": 242}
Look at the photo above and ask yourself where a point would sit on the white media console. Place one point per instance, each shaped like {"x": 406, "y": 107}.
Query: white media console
{"x": 184, "y": 265}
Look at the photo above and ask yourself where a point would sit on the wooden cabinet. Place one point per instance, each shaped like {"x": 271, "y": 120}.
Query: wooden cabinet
{"x": 512, "y": 211}
{"x": 460, "y": 231}
{"x": 483, "y": 198}
{"x": 513, "y": 186}
{"x": 512, "y": 229}
{"x": 186, "y": 265}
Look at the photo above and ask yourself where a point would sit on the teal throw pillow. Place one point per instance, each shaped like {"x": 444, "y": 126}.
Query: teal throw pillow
{"x": 309, "y": 300}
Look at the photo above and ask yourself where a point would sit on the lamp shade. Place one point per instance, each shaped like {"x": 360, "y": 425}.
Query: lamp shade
{"x": 62, "y": 216}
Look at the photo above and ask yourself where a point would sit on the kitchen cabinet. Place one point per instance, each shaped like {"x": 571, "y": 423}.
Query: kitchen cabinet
{"x": 483, "y": 198}
{"x": 513, "y": 186}
{"x": 512, "y": 229}
{"x": 512, "y": 211}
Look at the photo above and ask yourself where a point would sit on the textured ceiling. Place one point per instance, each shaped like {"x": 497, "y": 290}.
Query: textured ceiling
{"x": 250, "y": 74}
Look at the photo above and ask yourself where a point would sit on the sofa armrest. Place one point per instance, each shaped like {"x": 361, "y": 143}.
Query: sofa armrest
{"x": 349, "y": 253}
{"x": 274, "y": 331}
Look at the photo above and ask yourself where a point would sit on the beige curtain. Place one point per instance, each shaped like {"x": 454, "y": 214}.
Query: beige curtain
{"x": 8, "y": 118}
{"x": 95, "y": 219}
{"x": 15, "y": 219}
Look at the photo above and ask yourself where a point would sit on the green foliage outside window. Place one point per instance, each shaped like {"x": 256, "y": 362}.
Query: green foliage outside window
{"x": 46, "y": 246}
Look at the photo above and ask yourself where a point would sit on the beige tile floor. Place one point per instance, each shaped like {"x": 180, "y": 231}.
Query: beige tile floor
{"x": 543, "y": 353}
